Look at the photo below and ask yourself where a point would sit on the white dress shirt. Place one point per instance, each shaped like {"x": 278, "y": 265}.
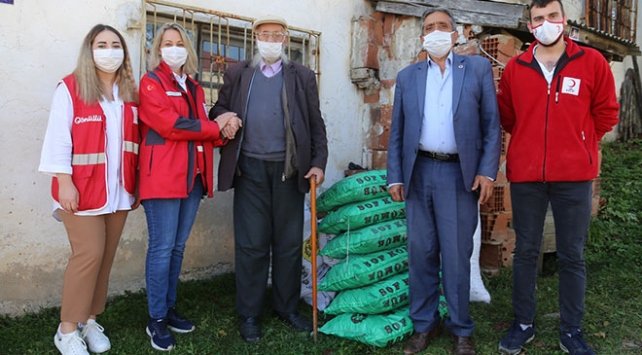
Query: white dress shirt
{"x": 57, "y": 147}
{"x": 437, "y": 129}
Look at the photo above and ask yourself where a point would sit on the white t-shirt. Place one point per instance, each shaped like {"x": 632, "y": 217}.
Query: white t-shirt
{"x": 57, "y": 146}
{"x": 548, "y": 74}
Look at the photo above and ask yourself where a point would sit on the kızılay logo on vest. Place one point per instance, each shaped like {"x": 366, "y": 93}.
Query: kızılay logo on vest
{"x": 92, "y": 118}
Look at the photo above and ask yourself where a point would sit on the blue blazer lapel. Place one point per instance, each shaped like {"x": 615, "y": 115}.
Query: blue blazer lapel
{"x": 420, "y": 85}
{"x": 458, "y": 71}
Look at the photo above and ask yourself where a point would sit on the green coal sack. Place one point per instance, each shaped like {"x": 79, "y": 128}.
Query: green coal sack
{"x": 361, "y": 214}
{"x": 378, "y": 330}
{"x": 365, "y": 270}
{"x": 358, "y": 187}
{"x": 380, "y": 297}
{"x": 378, "y": 237}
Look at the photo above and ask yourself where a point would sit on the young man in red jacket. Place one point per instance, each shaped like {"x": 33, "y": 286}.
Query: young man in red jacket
{"x": 557, "y": 100}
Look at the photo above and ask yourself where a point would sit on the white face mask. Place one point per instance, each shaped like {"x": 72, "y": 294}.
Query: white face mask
{"x": 438, "y": 43}
{"x": 548, "y": 32}
{"x": 108, "y": 59}
{"x": 174, "y": 56}
{"x": 270, "y": 51}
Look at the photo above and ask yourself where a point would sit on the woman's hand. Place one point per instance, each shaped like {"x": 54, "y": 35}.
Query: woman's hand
{"x": 67, "y": 193}
{"x": 229, "y": 124}
{"x": 233, "y": 125}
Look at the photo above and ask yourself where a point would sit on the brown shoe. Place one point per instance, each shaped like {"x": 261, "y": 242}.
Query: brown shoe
{"x": 464, "y": 346}
{"x": 418, "y": 342}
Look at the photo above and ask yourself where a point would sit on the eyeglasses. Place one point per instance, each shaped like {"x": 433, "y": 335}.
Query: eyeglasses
{"x": 275, "y": 36}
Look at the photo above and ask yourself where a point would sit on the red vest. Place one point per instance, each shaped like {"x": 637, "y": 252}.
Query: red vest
{"x": 88, "y": 159}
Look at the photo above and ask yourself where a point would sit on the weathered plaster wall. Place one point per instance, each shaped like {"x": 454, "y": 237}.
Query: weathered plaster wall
{"x": 39, "y": 45}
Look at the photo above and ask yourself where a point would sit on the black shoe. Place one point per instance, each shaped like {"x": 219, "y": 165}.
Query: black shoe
{"x": 250, "y": 329}
{"x": 296, "y": 321}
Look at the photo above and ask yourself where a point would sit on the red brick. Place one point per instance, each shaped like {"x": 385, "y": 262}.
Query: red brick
{"x": 495, "y": 254}
{"x": 375, "y": 35}
{"x": 505, "y": 142}
{"x": 386, "y": 115}
{"x": 379, "y": 159}
{"x": 490, "y": 255}
{"x": 501, "y": 47}
{"x": 371, "y": 98}
{"x": 499, "y": 201}
{"x": 494, "y": 226}
{"x": 389, "y": 24}
{"x": 372, "y": 56}
{"x": 387, "y": 83}
{"x": 497, "y": 71}
{"x": 379, "y": 131}
{"x": 469, "y": 48}
{"x": 501, "y": 175}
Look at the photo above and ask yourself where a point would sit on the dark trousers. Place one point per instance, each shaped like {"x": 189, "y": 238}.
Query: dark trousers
{"x": 268, "y": 217}
{"x": 571, "y": 205}
{"x": 442, "y": 217}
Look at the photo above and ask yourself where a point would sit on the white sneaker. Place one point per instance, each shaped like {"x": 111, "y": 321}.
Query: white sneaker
{"x": 70, "y": 344}
{"x": 93, "y": 334}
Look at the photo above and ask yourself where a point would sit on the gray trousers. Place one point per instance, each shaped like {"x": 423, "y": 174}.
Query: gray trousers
{"x": 571, "y": 204}
{"x": 268, "y": 218}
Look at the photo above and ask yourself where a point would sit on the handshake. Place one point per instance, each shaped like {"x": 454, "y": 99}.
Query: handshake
{"x": 229, "y": 124}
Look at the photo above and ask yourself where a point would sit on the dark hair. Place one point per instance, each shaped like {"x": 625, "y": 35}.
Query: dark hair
{"x": 431, "y": 10}
{"x": 543, "y": 3}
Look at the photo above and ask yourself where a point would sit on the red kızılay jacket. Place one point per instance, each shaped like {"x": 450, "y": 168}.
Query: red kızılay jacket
{"x": 178, "y": 138}
{"x": 555, "y": 129}
{"x": 89, "y": 158}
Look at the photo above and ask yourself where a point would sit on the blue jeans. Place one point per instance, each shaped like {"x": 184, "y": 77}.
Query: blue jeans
{"x": 571, "y": 205}
{"x": 169, "y": 222}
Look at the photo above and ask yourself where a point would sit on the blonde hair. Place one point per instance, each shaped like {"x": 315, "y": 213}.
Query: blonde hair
{"x": 191, "y": 64}
{"x": 88, "y": 87}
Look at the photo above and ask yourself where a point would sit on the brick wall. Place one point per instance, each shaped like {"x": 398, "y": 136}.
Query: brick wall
{"x": 383, "y": 44}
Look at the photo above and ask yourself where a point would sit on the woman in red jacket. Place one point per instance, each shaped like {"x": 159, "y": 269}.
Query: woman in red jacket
{"x": 176, "y": 170}
{"x": 91, "y": 150}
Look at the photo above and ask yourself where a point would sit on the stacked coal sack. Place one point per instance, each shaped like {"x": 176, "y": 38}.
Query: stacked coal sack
{"x": 372, "y": 276}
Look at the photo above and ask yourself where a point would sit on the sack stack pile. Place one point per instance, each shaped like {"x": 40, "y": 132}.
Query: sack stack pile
{"x": 372, "y": 277}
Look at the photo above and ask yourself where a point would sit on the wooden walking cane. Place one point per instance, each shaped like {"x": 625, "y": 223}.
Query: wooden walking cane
{"x": 313, "y": 240}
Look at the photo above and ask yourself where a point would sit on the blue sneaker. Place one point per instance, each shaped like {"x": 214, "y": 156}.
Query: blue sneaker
{"x": 178, "y": 324}
{"x": 573, "y": 343}
{"x": 161, "y": 338}
{"x": 513, "y": 342}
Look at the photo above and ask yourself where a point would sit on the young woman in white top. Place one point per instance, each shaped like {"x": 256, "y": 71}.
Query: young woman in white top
{"x": 91, "y": 151}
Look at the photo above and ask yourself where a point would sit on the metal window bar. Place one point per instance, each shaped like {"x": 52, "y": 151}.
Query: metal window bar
{"x": 228, "y": 34}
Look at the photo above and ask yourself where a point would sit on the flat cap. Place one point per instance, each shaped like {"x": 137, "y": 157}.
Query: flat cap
{"x": 269, "y": 19}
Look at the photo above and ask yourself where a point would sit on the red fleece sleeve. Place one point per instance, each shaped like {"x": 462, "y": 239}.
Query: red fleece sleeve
{"x": 604, "y": 105}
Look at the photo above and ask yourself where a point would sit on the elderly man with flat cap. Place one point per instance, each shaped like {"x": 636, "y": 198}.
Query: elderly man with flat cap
{"x": 269, "y": 163}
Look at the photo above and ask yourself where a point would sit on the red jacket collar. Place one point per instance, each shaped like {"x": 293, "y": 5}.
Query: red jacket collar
{"x": 572, "y": 50}
{"x": 165, "y": 70}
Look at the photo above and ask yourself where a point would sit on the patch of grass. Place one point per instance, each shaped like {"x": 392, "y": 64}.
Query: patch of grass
{"x": 612, "y": 324}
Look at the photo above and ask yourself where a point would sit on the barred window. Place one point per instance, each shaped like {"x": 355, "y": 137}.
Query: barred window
{"x": 222, "y": 39}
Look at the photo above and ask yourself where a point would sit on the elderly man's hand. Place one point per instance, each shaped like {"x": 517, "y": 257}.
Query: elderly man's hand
{"x": 317, "y": 173}
{"x": 232, "y": 126}
{"x": 226, "y": 123}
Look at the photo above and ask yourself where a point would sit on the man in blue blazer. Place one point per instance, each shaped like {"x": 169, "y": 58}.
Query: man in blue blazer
{"x": 443, "y": 157}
